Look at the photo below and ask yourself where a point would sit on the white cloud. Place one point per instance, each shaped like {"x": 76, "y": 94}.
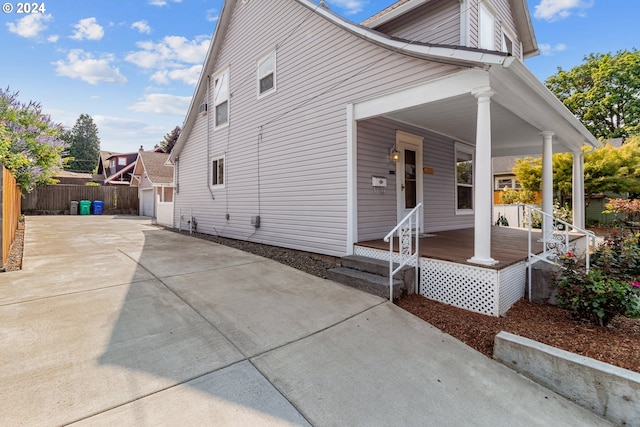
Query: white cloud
{"x": 548, "y": 50}
{"x": 117, "y": 123}
{"x": 82, "y": 65}
{"x": 170, "y": 52}
{"x": 553, "y": 10}
{"x": 162, "y": 2}
{"x": 53, "y": 39}
{"x": 213, "y": 15}
{"x": 350, "y": 7}
{"x": 30, "y": 26}
{"x": 142, "y": 27}
{"x": 161, "y": 103}
{"x": 88, "y": 28}
{"x": 187, "y": 75}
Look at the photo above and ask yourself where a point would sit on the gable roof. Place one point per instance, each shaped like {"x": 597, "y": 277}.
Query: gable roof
{"x": 154, "y": 164}
{"x": 453, "y": 55}
{"x": 396, "y": 9}
{"x": 520, "y": 10}
{"x": 116, "y": 178}
{"x": 504, "y": 71}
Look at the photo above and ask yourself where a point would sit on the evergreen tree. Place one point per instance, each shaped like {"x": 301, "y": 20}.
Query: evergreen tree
{"x": 170, "y": 139}
{"x": 84, "y": 145}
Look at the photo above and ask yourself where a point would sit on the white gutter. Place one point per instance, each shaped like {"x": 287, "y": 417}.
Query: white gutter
{"x": 436, "y": 53}
{"x": 527, "y": 77}
{"x": 392, "y": 14}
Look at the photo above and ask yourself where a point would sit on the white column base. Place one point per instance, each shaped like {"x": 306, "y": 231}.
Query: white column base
{"x": 482, "y": 261}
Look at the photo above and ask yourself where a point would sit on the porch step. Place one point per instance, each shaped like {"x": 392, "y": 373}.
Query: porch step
{"x": 372, "y": 276}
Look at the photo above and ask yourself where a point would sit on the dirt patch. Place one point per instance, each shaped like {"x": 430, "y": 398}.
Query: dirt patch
{"x": 14, "y": 260}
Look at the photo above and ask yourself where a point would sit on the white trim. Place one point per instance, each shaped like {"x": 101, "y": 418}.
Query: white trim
{"x": 227, "y": 99}
{"x": 224, "y": 171}
{"x": 352, "y": 181}
{"x": 465, "y": 24}
{"x": 483, "y": 7}
{"x": 405, "y": 139}
{"x": 578, "y": 190}
{"x": 437, "y": 53}
{"x": 459, "y": 146}
{"x": 442, "y": 88}
{"x": 400, "y": 10}
{"x": 260, "y": 60}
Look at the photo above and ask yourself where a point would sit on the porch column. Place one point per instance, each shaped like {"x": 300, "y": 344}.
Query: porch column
{"x": 547, "y": 181}
{"x": 482, "y": 182}
{"x": 577, "y": 193}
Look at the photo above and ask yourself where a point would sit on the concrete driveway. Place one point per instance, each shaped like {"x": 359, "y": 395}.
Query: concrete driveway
{"x": 113, "y": 321}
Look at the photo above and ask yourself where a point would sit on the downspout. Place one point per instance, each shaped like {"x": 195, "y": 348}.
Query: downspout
{"x": 208, "y": 142}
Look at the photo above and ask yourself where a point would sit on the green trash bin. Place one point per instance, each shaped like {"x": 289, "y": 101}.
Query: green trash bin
{"x": 85, "y": 207}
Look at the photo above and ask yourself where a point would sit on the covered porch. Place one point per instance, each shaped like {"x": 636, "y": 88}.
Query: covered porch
{"x": 509, "y": 245}
{"x": 442, "y": 136}
{"x": 481, "y": 113}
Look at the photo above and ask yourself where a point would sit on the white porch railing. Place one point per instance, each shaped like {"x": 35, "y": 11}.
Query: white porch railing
{"x": 408, "y": 252}
{"x": 555, "y": 239}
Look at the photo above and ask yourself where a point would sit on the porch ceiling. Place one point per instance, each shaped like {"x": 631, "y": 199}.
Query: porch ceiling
{"x": 456, "y": 117}
{"x": 521, "y": 108}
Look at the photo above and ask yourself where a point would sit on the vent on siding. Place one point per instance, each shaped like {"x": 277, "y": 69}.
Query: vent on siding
{"x": 203, "y": 108}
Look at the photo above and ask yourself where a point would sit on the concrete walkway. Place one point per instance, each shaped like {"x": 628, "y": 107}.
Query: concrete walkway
{"x": 115, "y": 322}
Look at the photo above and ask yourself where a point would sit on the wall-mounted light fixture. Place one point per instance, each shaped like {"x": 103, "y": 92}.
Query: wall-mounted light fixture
{"x": 394, "y": 154}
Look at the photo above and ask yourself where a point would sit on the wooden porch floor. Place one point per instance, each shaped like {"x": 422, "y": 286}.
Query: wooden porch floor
{"x": 508, "y": 245}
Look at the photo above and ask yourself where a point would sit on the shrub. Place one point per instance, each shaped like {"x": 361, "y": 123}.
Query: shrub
{"x": 626, "y": 210}
{"x": 609, "y": 288}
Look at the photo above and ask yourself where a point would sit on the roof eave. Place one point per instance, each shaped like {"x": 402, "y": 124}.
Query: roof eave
{"x": 389, "y": 16}
{"x": 453, "y": 55}
{"x": 223, "y": 22}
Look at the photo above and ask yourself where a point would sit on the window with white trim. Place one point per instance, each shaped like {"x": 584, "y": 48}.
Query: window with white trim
{"x": 486, "y": 28}
{"x": 507, "y": 44}
{"x": 221, "y": 99}
{"x": 122, "y": 161}
{"x": 217, "y": 171}
{"x": 507, "y": 182}
{"x": 464, "y": 179}
{"x": 267, "y": 74}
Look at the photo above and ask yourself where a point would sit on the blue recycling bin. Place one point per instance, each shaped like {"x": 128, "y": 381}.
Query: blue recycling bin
{"x": 97, "y": 206}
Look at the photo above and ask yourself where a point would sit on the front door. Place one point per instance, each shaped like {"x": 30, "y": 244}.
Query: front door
{"x": 408, "y": 173}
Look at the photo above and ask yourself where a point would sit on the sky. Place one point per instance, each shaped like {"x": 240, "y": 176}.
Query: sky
{"x": 132, "y": 65}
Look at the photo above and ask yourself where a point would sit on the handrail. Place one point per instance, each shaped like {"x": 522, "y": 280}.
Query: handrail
{"x": 404, "y": 228}
{"x": 555, "y": 239}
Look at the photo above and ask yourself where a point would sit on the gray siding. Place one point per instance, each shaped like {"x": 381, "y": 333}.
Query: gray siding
{"x": 437, "y": 21}
{"x": 377, "y": 211}
{"x": 286, "y": 153}
{"x": 504, "y": 21}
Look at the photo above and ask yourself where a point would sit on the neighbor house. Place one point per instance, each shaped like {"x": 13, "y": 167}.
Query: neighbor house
{"x": 311, "y": 132}
{"x": 116, "y": 168}
{"x": 153, "y": 175}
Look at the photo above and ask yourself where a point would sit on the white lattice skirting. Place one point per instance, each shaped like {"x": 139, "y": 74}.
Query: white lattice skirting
{"x": 473, "y": 288}
{"x": 483, "y": 290}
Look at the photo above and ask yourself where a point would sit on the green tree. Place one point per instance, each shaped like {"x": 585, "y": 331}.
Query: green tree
{"x": 606, "y": 169}
{"x": 528, "y": 172}
{"x": 603, "y": 92}
{"x": 30, "y": 144}
{"x": 170, "y": 139}
{"x": 84, "y": 145}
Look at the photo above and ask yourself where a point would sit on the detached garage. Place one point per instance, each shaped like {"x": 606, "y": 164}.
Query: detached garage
{"x": 154, "y": 178}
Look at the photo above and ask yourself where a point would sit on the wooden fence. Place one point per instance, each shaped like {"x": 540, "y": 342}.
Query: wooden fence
{"x": 10, "y": 211}
{"x": 56, "y": 199}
